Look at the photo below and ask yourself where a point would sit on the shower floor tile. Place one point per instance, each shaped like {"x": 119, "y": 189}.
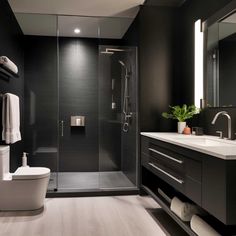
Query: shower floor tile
{"x": 90, "y": 180}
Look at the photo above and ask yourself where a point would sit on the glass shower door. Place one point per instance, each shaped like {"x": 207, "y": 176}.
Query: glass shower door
{"x": 118, "y": 130}
{"x": 41, "y": 95}
{"x": 78, "y": 93}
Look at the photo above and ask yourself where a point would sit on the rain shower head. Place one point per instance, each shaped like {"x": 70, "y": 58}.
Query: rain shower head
{"x": 107, "y": 52}
{"x": 112, "y": 50}
{"x": 125, "y": 67}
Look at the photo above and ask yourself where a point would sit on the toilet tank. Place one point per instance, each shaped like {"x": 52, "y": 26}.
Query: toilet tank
{"x": 4, "y": 161}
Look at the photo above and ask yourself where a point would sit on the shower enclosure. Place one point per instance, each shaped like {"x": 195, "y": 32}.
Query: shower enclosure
{"x": 118, "y": 115}
{"x": 81, "y": 110}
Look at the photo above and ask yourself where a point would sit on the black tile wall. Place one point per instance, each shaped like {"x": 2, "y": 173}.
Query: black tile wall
{"x": 191, "y": 11}
{"x": 78, "y": 89}
{"x": 109, "y": 120}
{"x": 78, "y": 95}
{"x": 158, "y": 70}
{"x": 11, "y": 45}
{"x": 41, "y": 100}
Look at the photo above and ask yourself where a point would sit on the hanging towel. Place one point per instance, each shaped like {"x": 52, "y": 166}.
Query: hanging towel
{"x": 6, "y": 62}
{"x": 201, "y": 228}
{"x": 11, "y": 118}
{"x": 184, "y": 210}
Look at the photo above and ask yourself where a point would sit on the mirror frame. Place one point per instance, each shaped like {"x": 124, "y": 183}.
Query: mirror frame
{"x": 221, "y": 14}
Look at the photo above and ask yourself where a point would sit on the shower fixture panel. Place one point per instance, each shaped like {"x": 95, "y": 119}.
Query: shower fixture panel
{"x": 127, "y": 114}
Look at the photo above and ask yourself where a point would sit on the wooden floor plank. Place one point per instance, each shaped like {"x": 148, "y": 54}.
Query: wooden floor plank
{"x": 85, "y": 216}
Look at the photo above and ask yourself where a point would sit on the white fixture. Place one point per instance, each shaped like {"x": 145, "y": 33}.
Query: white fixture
{"x": 198, "y": 65}
{"x": 211, "y": 145}
{"x": 76, "y": 31}
{"x": 25, "y": 189}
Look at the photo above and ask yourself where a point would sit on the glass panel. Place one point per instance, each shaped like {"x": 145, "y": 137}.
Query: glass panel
{"x": 117, "y": 117}
{"x": 41, "y": 91}
{"x": 78, "y": 93}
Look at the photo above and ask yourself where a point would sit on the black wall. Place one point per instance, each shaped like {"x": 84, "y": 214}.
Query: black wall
{"x": 191, "y": 11}
{"x": 165, "y": 37}
{"x": 155, "y": 32}
{"x": 41, "y": 101}
{"x": 11, "y": 46}
{"x": 78, "y": 71}
{"x": 78, "y": 95}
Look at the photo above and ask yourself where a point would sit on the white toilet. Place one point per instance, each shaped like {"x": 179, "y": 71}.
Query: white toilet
{"x": 23, "y": 190}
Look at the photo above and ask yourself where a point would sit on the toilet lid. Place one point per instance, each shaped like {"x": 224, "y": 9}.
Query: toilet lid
{"x": 31, "y": 173}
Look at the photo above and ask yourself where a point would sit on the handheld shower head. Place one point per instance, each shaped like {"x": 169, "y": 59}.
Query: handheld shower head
{"x": 122, "y": 63}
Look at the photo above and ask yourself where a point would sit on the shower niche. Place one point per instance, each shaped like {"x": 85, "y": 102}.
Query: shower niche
{"x": 81, "y": 102}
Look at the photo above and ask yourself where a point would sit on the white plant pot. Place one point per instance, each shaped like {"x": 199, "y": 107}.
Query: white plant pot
{"x": 181, "y": 126}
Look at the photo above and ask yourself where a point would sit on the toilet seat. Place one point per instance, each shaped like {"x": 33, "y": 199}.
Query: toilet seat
{"x": 30, "y": 173}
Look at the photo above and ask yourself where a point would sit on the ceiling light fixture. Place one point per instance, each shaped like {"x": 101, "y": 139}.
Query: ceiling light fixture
{"x": 76, "y": 31}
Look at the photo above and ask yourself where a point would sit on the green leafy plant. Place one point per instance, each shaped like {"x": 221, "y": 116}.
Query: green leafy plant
{"x": 181, "y": 113}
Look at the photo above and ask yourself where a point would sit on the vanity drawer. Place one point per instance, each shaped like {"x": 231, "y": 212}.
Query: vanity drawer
{"x": 193, "y": 169}
{"x": 181, "y": 182}
{"x": 172, "y": 178}
{"x": 144, "y": 144}
{"x": 168, "y": 158}
{"x": 164, "y": 156}
{"x": 177, "y": 166}
{"x": 193, "y": 190}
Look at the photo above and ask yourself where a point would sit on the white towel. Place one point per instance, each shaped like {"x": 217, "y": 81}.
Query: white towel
{"x": 184, "y": 210}
{"x": 11, "y": 118}
{"x": 201, "y": 228}
{"x": 6, "y": 62}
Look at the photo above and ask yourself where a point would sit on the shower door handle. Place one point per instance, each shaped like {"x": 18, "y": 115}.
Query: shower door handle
{"x": 62, "y": 128}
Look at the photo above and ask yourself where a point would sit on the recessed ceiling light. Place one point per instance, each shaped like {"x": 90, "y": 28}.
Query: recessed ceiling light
{"x": 77, "y": 31}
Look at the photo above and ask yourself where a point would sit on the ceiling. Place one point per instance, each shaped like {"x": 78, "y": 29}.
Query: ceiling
{"x": 95, "y": 18}
{"x": 91, "y": 27}
{"x": 119, "y": 8}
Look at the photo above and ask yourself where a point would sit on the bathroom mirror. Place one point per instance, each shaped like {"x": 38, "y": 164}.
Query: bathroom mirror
{"x": 220, "y": 57}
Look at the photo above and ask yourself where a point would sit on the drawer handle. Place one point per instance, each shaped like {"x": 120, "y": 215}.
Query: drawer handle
{"x": 167, "y": 156}
{"x": 180, "y": 181}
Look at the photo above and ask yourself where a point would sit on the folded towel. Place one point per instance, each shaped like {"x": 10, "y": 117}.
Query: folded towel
{"x": 201, "y": 228}
{"x": 184, "y": 210}
{"x": 11, "y": 118}
{"x": 6, "y": 62}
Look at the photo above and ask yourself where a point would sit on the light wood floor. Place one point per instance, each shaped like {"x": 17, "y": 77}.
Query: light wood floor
{"x": 88, "y": 216}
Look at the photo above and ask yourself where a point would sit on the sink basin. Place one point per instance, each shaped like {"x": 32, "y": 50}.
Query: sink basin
{"x": 206, "y": 142}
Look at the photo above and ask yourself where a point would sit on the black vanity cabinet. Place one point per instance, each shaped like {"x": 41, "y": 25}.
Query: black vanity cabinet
{"x": 173, "y": 166}
{"x": 208, "y": 181}
{"x": 219, "y": 188}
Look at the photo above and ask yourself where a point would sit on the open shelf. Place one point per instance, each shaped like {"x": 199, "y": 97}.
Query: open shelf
{"x": 6, "y": 73}
{"x": 166, "y": 207}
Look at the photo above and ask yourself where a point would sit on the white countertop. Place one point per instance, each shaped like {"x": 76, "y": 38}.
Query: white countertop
{"x": 220, "y": 148}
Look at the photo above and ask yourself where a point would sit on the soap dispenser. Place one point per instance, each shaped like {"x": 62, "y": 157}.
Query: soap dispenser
{"x": 24, "y": 159}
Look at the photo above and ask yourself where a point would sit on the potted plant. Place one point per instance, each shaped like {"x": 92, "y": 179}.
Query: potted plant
{"x": 181, "y": 114}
